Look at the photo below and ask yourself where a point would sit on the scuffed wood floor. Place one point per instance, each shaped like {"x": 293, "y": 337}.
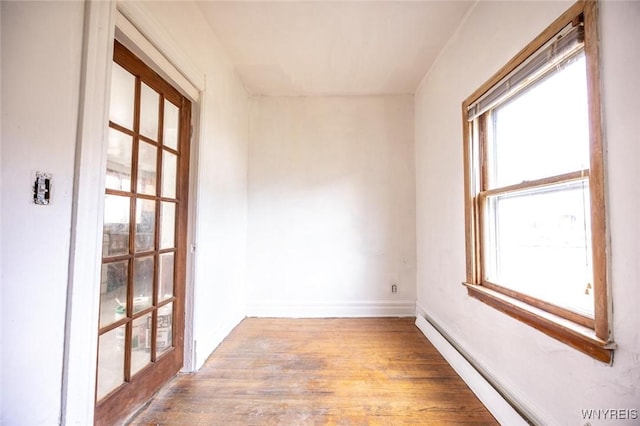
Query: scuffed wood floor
{"x": 371, "y": 371}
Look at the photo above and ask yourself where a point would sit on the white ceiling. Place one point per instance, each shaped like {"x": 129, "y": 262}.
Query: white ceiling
{"x": 333, "y": 47}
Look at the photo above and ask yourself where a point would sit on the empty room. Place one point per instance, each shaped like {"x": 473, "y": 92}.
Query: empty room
{"x": 319, "y": 212}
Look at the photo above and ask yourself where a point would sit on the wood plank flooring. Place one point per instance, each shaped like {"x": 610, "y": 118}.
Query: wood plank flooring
{"x": 370, "y": 371}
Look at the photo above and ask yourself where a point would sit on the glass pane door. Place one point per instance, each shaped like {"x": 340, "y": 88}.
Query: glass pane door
{"x": 144, "y": 242}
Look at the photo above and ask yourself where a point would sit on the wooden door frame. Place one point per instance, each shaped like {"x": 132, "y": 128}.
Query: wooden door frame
{"x": 102, "y": 19}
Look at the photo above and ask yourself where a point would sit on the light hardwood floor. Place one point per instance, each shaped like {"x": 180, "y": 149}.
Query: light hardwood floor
{"x": 370, "y": 371}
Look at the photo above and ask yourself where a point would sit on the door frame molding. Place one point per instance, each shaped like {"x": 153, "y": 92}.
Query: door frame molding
{"x": 141, "y": 33}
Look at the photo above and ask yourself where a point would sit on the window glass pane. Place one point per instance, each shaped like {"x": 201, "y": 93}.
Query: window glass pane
{"x": 113, "y": 291}
{"x": 140, "y": 343}
{"x": 171, "y": 120}
{"x": 115, "y": 239}
{"x": 166, "y": 276}
{"x": 540, "y": 244}
{"x": 164, "y": 339}
{"x": 543, "y": 131}
{"x": 110, "y": 361}
{"x": 123, "y": 85}
{"x": 119, "y": 161}
{"x": 142, "y": 283}
{"x": 169, "y": 169}
{"x": 149, "y": 109}
{"x": 145, "y": 224}
{"x": 147, "y": 163}
{"x": 167, "y": 225}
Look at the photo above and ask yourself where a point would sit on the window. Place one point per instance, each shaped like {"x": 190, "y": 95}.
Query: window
{"x": 535, "y": 222}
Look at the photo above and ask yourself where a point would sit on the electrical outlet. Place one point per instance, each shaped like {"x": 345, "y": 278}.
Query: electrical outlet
{"x": 394, "y": 288}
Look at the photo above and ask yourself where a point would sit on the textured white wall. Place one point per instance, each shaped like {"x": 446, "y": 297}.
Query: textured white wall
{"x": 41, "y": 51}
{"x": 331, "y": 205}
{"x": 552, "y": 380}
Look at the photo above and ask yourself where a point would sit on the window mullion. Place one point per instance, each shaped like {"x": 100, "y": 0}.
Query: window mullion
{"x": 547, "y": 181}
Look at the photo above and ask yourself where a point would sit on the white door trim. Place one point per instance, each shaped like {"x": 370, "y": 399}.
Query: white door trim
{"x": 83, "y": 293}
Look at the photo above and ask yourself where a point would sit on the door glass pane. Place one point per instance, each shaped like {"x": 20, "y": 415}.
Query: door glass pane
{"x": 113, "y": 291}
{"x": 142, "y": 283}
{"x": 169, "y": 168}
{"x": 164, "y": 333}
{"x": 167, "y": 225}
{"x": 119, "y": 161}
{"x": 149, "y": 109}
{"x": 110, "y": 361}
{"x": 530, "y": 127}
{"x": 115, "y": 239}
{"x": 140, "y": 343}
{"x": 123, "y": 85}
{"x": 165, "y": 290}
{"x": 541, "y": 244}
{"x": 147, "y": 163}
{"x": 170, "y": 131}
{"x": 145, "y": 224}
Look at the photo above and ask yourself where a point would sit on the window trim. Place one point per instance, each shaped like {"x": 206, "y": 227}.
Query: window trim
{"x": 590, "y": 336}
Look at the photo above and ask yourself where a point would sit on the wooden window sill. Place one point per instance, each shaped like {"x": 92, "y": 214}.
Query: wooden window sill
{"x": 575, "y": 335}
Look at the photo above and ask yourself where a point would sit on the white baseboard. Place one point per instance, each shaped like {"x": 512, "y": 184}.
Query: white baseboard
{"x": 331, "y": 309}
{"x": 500, "y": 409}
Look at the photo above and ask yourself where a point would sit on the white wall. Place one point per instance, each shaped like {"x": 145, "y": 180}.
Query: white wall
{"x": 552, "y": 380}
{"x": 331, "y": 206}
{"x": 41, "y": 50}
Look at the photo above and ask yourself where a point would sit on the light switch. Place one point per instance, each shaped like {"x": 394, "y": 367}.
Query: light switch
{"x": 42, "y": 188}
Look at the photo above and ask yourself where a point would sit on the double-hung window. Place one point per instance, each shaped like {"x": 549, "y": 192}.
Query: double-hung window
{"x": 535, "y": 221}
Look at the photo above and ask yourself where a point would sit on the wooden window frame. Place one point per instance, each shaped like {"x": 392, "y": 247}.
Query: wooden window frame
{"x": 591, "y": 336}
